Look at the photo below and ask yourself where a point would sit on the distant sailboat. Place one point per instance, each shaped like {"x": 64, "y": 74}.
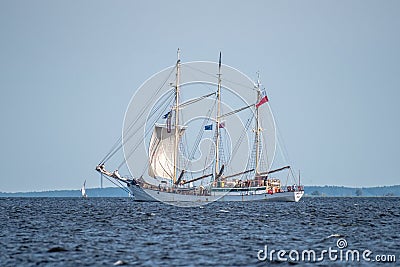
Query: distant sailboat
{"x": 83, "y": 190}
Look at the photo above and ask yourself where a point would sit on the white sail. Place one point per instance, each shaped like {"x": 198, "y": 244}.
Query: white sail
{"x": 161, "y": 151}
{"x": 83, "y": 190}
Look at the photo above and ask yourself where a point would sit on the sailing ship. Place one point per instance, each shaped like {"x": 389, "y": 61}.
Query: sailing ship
{"x": 168, "y": 176}
{"x": 83, "y": 190}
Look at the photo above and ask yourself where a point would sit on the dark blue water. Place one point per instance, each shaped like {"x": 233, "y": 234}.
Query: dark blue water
{"x": 102, "y": 231}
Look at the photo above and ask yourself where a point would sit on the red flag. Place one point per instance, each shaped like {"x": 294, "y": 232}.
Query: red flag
{"x": 262, "y": 101}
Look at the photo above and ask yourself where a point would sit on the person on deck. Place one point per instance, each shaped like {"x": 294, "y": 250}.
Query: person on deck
{"x": 100, "y": 168}
{"x": 116, "y": 174}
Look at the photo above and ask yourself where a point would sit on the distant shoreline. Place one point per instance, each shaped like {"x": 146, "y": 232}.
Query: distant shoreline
{"x": 310, "y": 191}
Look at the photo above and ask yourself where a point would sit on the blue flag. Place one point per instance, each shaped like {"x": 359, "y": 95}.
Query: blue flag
{"x": 208, "y": 127}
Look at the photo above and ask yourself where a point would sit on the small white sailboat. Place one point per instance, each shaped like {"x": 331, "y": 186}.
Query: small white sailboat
{"x": 83, "y": 190}
{"x": 163, "y": 161}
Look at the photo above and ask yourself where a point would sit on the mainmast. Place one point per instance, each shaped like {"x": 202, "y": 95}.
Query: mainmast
{"x": 257, "y": 126}
{"x": 178, "y": 65}
{"x": 217, "y": 119}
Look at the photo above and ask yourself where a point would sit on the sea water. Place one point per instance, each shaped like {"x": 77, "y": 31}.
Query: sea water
{"x": 114, "y": 231}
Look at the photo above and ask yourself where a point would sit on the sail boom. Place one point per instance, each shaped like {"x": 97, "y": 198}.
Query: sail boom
{"x": 234, "y": 111}
{"x": 198, "y": 178}
{"x": 192, "y": 101}
{"x": 237, "y": 174}
{"x": 276, "y": 170}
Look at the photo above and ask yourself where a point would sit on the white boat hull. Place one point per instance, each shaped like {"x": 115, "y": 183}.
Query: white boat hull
{"x": 143, "y": 194}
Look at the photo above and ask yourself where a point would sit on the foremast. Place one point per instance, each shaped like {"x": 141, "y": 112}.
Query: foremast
{"x": 217, "y": 120}
{"x": 257, "y": 128}
{"x": 178, "y": 65}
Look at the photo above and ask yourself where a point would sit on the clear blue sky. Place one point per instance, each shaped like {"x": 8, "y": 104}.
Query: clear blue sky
{"x": 69, "y": 68}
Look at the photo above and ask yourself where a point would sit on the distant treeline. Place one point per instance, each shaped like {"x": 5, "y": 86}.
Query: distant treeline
{"x": 310, "y": 191}
{"x": 91, "y": 192}
{"x": 341, "y": 191}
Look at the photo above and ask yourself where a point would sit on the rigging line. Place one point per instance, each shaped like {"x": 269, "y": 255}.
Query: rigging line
{"x": 236, "y": 83}
{"x": 168, "y": 172}
{"x": 205, "y": 163}
{"x": 201, "y": 132}
{"x": 134, "y": 133}
{"x": 263, "y": 141}
{"x": 236, "y": 148}
{"x": 155, "y": 119}
{"x": 114, "y": 146}
{"x": 153, "y": 146}
{"x": 251, "y": 159}
{"x": 234, "y": 111}
{"x": 168, "y": 101}
{"x": 183, "y": 158}
{"x": 146, "y": 166}
{"x": 265, "y": 154}
{"x": 156, "y": 116}
{"x": 227, "y": 145}
{"x": 282, "y": 152}
{"x": 139, "y": 127}
{"x": 171, "y": 100}
{"x": 195, "y": 78}
{"x": 192, "y": 101}
{"x": 293, "y": 177}
{"x": 287, "y": 179}
{"x": 151, "y": 99}
{"x": 185, "y": 152}
{"x": 198, "y": 140}
{"x": 141, "y": 113}
{"x": 282, "y": 147}
{"x": 281, "y": 142}
{"x": 199, "y": 137}
{"x": 118, "y": 185}
{"x": 140, "y": 141}
{"x": 180, "y": 147}
{"x": 213, "y": 148}
{"x": 113, "y": 153}
{"x": 237, "y": 145}
{"x": 222, "y": 144}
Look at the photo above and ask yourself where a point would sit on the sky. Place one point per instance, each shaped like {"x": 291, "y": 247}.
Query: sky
{"x": 69, "y": 68}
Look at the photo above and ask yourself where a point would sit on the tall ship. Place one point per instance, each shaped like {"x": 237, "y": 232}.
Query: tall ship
{"x": 200, "y": 132}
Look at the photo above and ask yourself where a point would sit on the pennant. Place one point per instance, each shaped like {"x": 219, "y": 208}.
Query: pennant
{"x": 208, "y": 127}
{"x": 222, "y": 125}
{"x": 166, "y": 115}
{"x": 262, "y": 101}
{"x": 169, "y": 123}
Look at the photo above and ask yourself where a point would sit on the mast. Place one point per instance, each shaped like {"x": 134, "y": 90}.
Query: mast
{"x": 178, "y": 65}
{"x": 217, "y": 122}
{"x": 257, "y": 126}
{"x": 299, "y": 178}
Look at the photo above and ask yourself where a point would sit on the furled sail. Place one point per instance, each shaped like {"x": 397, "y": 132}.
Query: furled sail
{"x": 161, "y": 151}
